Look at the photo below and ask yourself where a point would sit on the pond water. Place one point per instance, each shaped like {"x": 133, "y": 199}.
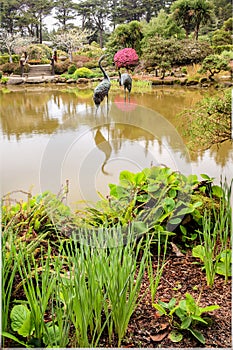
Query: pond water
{"x": 53, "y": 135}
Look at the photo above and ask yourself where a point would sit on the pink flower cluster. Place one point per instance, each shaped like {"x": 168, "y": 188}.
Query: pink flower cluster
{"x": 125, "y": 58}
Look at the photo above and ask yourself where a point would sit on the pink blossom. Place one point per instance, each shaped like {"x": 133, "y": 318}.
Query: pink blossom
{"x": 125, "y": 58}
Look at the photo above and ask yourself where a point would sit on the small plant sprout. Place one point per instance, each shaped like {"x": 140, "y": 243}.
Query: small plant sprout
{"x": 184, "y": 315}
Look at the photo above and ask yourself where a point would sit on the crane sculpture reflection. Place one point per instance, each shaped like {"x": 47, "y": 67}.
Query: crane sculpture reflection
{"x": 126, "y": 81}
{"x": 103, "y": 88}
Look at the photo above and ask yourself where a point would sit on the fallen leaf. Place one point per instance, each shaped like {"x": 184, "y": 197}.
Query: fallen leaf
{"x": 163, "y": 326}
{"x": 176, "y": 250}
{"x": 159, "y": 336}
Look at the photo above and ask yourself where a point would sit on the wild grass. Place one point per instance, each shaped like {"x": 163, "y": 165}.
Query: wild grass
{"x": 216, "y": 238}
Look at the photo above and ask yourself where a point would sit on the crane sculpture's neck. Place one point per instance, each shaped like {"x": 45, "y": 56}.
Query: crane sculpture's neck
{"x": 103, "y": 71}
{"x": 119, "y": 77}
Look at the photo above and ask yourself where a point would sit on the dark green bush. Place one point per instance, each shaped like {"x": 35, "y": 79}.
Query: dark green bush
{"x": 1, "y": 75}
{"x": 72, "y": 69}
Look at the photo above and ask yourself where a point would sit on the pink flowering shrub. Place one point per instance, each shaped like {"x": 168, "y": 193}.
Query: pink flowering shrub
{"x": 126, "y": 58}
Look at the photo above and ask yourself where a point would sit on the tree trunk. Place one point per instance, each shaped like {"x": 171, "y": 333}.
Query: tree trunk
{"x": 40, "y": 29}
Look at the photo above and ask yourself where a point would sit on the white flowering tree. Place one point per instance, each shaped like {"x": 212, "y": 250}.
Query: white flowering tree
{"x": 71, "y": 40}
{"x": 14, "y": 43}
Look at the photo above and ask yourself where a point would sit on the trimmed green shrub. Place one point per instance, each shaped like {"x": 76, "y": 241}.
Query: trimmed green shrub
{"x": 83, "y": 73}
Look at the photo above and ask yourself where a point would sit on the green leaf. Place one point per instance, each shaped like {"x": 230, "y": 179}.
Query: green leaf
{"x": 197, "y": 204}
{"x": 217, "y": 191}
{"x": 209, "y": 308}
{"x": 205, "y": 177}
{"x": 172, "y": 193}
{"x": 118, "y": 191}
{"x": 199, "y": 252}
{"x": 175, "y": 221}
{"x": 161, "y": 310}
{"x": 21, "y": 320}
{"x": 221, "y": 269}
{"x": 52, "y": 336}
{"x": 186, "y": 322}
{"x": 197, "y": 335}
{"x": 199, "y": 319}
{"x": 127, "y": 178}
{"x": 139, "y": 178}
{"x": 175, "y": 336}
{"x": 10, "y": 336}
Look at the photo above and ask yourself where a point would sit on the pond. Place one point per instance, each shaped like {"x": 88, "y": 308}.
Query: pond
{"x": 52, "y": 136}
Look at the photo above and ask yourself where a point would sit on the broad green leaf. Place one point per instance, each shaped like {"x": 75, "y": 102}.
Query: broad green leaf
{"x": 197, "y": 335}
{"x": 186, "y": 322}
{"x": 199, "y": 252}
{"x": 52, "y": 336}
{"x": 217, "y": 191}
{"x": 175, "y": 221}
{"x": 205, "y": 177}
{"x": 139, "y": 178}
{"x": 169, "y": 204}
{"x": 127, "y": 178}
{"x": 185, "y": 211}
{"x": 197, "y": 204}
{"x": 172, "y": 193}
{"x": 153, "y": 187}
{"x": 221, "y": 269}
{"x": 191, "y": 305}
{"x": 175, "y": 336}
{"x": 21, "y": 320}
{"x": 171, "y": 303}
{"x": 118, "y": 191}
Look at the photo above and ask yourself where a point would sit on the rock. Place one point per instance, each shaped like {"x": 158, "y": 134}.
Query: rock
{"x": 16, "y": 81}
{"x": 70, "y": 81}
{"x": 83, "y": 81}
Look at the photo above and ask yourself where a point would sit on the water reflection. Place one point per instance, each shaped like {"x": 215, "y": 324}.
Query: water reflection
{"x": 50, "y": 135}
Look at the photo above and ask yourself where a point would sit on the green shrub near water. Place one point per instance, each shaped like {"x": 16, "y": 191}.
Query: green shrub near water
{"x": 83, "y": 73}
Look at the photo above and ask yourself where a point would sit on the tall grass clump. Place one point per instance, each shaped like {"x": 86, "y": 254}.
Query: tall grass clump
{"x": 102, "y": 287}
{"x": 216, "y": 237}
{"x": 155, "y": 275}
{"x": 9, "y": 270}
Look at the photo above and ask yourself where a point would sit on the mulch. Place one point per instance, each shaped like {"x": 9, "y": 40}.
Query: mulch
{"x": 182, "y": 274}
{"x": 147, "y": 329}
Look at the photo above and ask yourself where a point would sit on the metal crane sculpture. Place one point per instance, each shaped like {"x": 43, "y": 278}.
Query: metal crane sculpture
{"x": 126, "y": 81}
{"x": 103, "y": 88}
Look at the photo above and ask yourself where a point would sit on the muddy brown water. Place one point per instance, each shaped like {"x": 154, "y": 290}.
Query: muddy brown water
{"x": 50, "y": 135}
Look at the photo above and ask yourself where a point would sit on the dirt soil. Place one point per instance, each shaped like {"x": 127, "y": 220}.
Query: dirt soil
{"x": 181, "y": 275}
